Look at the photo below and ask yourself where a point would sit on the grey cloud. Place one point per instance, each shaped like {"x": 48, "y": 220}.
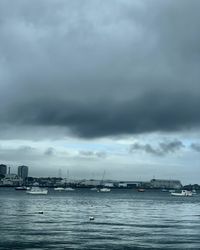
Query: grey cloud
{"x": 25, "y": 149}
{"x": 93, "y": 154}
{"x": 100, "y": 68}
{"x": 144, "y": 147}
{"x": 171, "y": 147}
{"x": 162, "y": 149}
{"x": 49, "y": 151}
{"x": 195, "y": 147}
{"x": 101, "y": 154}
{"x": 21, "y": 154}
{"x": 153, "y": 112}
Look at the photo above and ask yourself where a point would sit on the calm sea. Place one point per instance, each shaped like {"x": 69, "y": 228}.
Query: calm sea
{"x": 123, "y": 219}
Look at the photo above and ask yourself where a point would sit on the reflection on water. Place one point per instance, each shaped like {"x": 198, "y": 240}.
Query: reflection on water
{"x": 123, "y": 219}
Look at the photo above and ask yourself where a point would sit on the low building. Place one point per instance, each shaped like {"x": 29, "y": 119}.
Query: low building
{"x": 90, "y": 183}
{"x": 11, "y": 180}
{"x": 167, "y": 184}
{"x": 108, "y": 184}
{"x": 129, "y": 184}
{"x": 122, "y": 185}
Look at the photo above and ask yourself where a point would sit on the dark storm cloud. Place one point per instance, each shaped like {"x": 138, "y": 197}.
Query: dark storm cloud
{"x": 162, "y": 149}
{"x": 100, "y": 68}
{"x": 89, "y": 119}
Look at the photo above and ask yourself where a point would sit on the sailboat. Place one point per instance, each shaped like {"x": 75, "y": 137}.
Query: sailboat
{"x": 104, "y": 189}
{"x": 68, "y": 187}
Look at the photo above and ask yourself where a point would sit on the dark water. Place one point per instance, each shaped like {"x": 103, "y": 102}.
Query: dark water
{"x": 124, "y": 219}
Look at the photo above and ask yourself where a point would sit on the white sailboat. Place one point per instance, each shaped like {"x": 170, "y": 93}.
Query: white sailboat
{"x": 104, "y": 189}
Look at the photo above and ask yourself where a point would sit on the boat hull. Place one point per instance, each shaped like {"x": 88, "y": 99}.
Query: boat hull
{"x": 105, "y": 190}
{"x": 37, "y": 191}
{"x": 69, "y": 189}
{"x": 22, "y": 188}
{"x": 59, "y": 189}
{"x": 183, "y": 193}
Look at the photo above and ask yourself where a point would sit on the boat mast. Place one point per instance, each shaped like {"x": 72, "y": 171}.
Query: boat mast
{"x": 101, "y": 183}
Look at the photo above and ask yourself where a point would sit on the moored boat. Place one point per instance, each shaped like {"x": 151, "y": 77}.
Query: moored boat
{"x": 59, "y": 189}
{"x": 69, "y": 189}
{"x": 183, "y": 193}
{"x": 37, "y": 190}
{"x": 104, "y": 190}
{"x": 22, "y": 188}
{"x": 141, "y": 190}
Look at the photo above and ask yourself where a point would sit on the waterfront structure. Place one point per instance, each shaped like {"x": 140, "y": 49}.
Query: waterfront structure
{"x": 131, "y": 184}
{"x": 11, "y": 180}
{"x": 3, "y": 169}
{"x": 90, "y": 183}
{"x": 23, "y": 172}
{"x": 167, "y": 184}
{"x": 108, "y": 184}
{"x": 122, "y": 185}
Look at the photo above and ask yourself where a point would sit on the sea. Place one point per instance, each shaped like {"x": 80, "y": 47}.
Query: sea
{"x": 86, "y": 219}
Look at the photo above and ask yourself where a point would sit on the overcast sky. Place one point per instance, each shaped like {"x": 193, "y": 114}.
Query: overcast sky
{"x": 88, "y": 86}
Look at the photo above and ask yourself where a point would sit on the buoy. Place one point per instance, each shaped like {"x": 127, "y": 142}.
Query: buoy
{"x": 91, "y": 218}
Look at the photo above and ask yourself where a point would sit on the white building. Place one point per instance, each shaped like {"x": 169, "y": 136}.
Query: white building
{"x": 122, "y": 185}
{"x": 108, "y": 184}
{"x": 90, "y": 183}
{"x": 168, "y": 184}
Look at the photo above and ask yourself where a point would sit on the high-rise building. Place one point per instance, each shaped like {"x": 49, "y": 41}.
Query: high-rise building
{"x": 3, "y": 169}
{"x": 23, "y": 172}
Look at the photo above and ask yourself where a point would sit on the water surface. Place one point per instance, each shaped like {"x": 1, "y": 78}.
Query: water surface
{"x": 123, "y": 219}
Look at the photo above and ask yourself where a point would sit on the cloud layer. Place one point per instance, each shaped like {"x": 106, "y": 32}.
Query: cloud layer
{"x": 100, "y": 68}
{"x": 162, "y": 149}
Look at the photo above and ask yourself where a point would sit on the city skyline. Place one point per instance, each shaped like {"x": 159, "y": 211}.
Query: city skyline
{"x": 94, "y": 86}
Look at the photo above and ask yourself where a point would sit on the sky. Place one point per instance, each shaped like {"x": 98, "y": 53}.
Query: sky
{"x": 88, "y": 86}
